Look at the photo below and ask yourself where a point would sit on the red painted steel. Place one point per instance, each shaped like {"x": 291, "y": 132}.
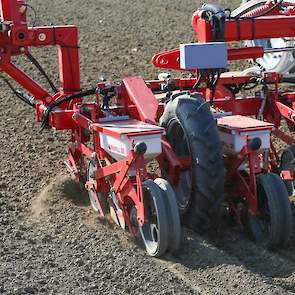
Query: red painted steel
{"x": 142, "y": 97}
{"x": 265, "y": 28}
{"x": 171, "y": 59}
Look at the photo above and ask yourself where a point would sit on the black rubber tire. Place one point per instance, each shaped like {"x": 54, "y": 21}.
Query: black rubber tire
{"x": 152, "y": 193}
{"x": 287, "y": 163}
{"x": 101, "y": 196}
{"x": 175, "y": 134}
{"x": 207, "y": 187}
{"x": 274, "y": 213}
{"x": 175, "y": 230}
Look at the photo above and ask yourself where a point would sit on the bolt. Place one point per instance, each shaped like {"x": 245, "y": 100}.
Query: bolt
{"x": 90, "y": 126}
{"x": 42, "y": 37}
{"x": 74, "y": 116}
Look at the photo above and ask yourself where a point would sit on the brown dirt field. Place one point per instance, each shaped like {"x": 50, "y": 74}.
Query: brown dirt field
{"x": 50, "y": 240}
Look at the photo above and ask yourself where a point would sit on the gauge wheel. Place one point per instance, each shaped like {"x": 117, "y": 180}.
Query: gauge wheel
{"x": 175, "y": 231}
{"x": 155, "y": 230}
{"x": 94, "y": 196}
{"x": 272, "y": 225}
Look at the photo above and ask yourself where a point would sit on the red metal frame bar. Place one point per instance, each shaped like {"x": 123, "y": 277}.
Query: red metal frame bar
{"x": 171, "y": 59}
{"x": 122, "y": 185}
{"x": 16, "y": 39}
{"x": 244, "y": 187}
{"x": 264, "y": 28}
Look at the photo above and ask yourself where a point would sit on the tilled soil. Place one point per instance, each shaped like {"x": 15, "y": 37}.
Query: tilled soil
{"x": 50, "y": 240}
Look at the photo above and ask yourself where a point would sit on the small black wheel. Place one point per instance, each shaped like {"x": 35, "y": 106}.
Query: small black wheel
{"x": 175, "y": 231}
{"x": 272, "y": 225}
{"x": 154, "y": 231}
{"x": 92, "y": 167}
{"x": 191, "y": 131}
{"x": 288, "y": 163}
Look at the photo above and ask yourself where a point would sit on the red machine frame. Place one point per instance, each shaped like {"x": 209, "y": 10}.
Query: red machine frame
{"x": 135, "y": 98}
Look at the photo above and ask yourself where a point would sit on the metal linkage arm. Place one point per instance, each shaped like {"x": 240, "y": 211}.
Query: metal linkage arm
{"x": 16, "y": 38}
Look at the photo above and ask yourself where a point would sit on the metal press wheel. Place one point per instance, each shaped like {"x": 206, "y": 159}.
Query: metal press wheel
{"x": 280, "y": 62}
{"x": 154, "y": 231}
{"x": 175, "y": 230}
{"x": 92, "y": 167}
{"x": 272, "y": 225}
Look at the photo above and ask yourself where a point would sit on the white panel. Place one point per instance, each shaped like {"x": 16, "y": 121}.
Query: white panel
{"x": 119, "y": 148}
{"x": 203, "y": 55}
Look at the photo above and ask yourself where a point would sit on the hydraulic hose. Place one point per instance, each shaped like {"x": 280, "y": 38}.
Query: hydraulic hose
{"x": 62, "y": 100}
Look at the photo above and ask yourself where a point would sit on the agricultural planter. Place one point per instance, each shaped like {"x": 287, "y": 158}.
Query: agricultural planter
{"x": 210, "y": 136}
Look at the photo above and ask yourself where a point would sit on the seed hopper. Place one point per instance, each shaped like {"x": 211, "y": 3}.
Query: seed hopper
{"x": 211, "y": 134}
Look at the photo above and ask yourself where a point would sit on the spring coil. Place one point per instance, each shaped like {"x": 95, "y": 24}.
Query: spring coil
{"x": 259, "y": 10}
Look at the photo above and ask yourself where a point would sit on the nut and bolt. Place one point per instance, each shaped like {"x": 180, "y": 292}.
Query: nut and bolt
{"x": 75, "y": 116}
{"x": 42, "y": 37}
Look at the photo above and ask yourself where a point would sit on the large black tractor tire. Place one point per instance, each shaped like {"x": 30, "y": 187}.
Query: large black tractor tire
{"x": 199, "y": 196}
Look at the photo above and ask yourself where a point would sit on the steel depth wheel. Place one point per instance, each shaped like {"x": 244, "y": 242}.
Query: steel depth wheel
{"x": 288, "y": 163}
{"x": 92, "y": 167}
{"x": 272, "y": 225}
{"x": 154, "y": 231}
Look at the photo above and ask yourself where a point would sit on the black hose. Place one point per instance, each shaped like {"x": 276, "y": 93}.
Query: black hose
{"x": 41, "y": 70}
{"x": 214, "y": 82}
{"x": 198, "y": 81}
{"x": 62, "y": 100}
{"x": 26, "y": 99}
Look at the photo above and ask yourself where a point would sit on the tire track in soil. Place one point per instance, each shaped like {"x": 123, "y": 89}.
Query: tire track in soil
{"x": 277, "y": 266}
{"x": 202, "y": 267}
{"x": 206, "y": 268}
{"x": 99, "y": 245}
